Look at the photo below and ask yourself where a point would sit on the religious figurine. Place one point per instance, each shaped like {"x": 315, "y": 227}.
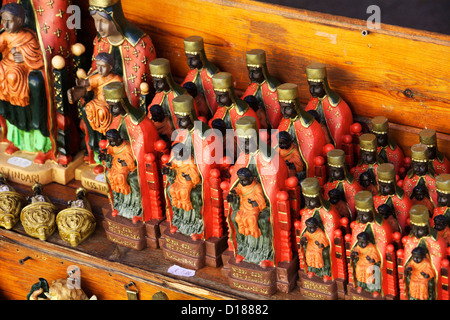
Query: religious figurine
{"x": 306, "y": 132}
{"x": 388, "y": 214}
{"x": 263, "y": 86}
{"x": 439, "y": 162}
{"x": 60, "y": 289}
{"x": 259, "y": 242}
{"x": 201, "y": 71}
{"x": 431, "y": 260}
{"x": 134, "y": 184}
{"x": 230, "y": 106}
{"x": 369, "y": 160}
{"x": 443, "y": 196}
{"x": 166, "y": 89}
{"x": 38, "y": 218}
{"x": 338, "y": 204}
{"x": 388, "y": 150}
{"x": 320, "y": 241}
{"x": 162, "y": 122}
{"x": 96, "y": 109}
{"x": 442, "y": 228}
{"x": 76, "y": 223}
{"x": 333, "y": 111}
{"x": 393, "y": 196}
{"x": 341, "y": 180}
{"x": 11, "y": 204}
{"x": 191, "y": 186}
{"x": 420, "y": 196}
{"x": 421, "y": 173}
{"x": 370, "y": 252}
{"x": 290, "y": 154}
{"x": 35, "y": 66}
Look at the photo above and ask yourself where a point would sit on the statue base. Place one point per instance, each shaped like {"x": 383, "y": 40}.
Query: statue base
{"x": 153, "y": 231}
{"x": 252, "y": 278}
{"x": 316, "y": 288}
{"x": 193, "y": 254}
{"x": 353, "y": 294}
{"x": 20, "y": 167}
{"x": 123, "y": 231}
{"x": 90, "y": 180}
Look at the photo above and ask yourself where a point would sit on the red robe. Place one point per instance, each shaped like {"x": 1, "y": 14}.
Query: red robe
{"x": 272, "y": 174}
{"x": 393, "y": 155}
{"x": 402, "y": 205}
{"x": 441, "y": 165}
{"x": 270, "y": 97}
{"x": 206, "y": 81}
{"x": 338, "y": 118}
{"x": 411, "y": 181}
{"x": 135, "y": 60}
{"x": 350, "y": 190}
{"x": 309, "y": 138}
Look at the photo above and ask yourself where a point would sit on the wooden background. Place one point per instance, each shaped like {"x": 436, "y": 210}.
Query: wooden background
{"x": 397, "y": 72}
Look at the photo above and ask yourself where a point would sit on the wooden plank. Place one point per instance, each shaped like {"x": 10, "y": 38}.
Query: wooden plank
{"x": 397, "y": 72}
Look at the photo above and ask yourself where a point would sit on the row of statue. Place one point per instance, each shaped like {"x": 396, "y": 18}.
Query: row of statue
{"x": 256, "y": 183}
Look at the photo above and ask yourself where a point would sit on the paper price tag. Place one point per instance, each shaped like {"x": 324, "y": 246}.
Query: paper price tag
{"x": 179, "y": 271}
{"x": 20, "y": 162}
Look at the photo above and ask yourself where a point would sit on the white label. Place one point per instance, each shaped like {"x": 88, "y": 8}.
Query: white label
{"x": 20, "y": 162}
{"x": 100, "y": 178}
{"x": 179, "y": 271}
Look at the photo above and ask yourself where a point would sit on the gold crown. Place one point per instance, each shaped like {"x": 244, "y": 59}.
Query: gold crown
{"x": 310, "y": 187}
{"x": 183, "y": 104}
{"x": 419, "y": 153}
{"x": 316, "y": 72}
{"x": 368, "y": 142}
{"x": 160, "y": 67}
{"x": 193, "y": 44}
{"x": 287, "y": 92}
{"x": 418, "y": 215}
{"x": 246, "y": 127}
{"x": 336, "y": 158}
{"x": 114, "y": 91}
{"x": 428, "y": 137}
{"x": 386, "y": 172}
{"x": 103, "y": 3}
{"x": 443, "y": 183}
{"x": 255, "y": 58}
{"x": 222, "y": 81}
{"x": 364, "y": 201}
{"x": 380, "y": 125}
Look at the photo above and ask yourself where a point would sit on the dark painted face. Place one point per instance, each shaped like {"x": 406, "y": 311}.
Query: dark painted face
{"x": 288, "y": 110}
{"x": 443, "y": 199}
{"x": 432, "y": 152}
{"x": 312, "y": 202}
{"x": 316, "y": 89}
{"x": 284, "y": 144}
{"x": 337, "y": 173}
{"x": 363, "y": 243}
{"x": 223, "y": 98}
{"x": 368, "y": 157}
{"x": 364, "y": 216}
{"x": 248, "y": 145}
{"x": 255, "y": 74}
{"x": 184, "y": 122}
{"x": 382, "y": 139}
{"x": 245, "y": 180}
{"x": 194, "y": 61}
{"x": 115, "y": 108}
{"x": 160, "y": 84}
{"x": 11, "y": 23}
{"x": 419, "y": 231}
{"x": 420, "y": 168}
{"x": 386, "y": 188}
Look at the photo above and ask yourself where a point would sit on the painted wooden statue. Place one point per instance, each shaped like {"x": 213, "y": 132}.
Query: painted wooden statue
{"x": 230, "y": 106}
{"x": 333, "y": 111}
{"x": 259, "y": 230}
{"x": 443, "y": 196}
{"x": 422, "y": 263}
{"x": 320, "y": 241}
{"x": 393, "y": 196}
{"x": 303, "y": 128}
{"x": 340, "y": 179}
{"x": 388, "y": 150}
{"x": 370, "y": 252}
{"x": 200, "y": 73}
{"x": 29, "y": 98}
{"x": 439, "y": 161}
{"x": 421, "y": 177}
{"x": 263, "y": 87}
{"x": 368, "y": 163}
